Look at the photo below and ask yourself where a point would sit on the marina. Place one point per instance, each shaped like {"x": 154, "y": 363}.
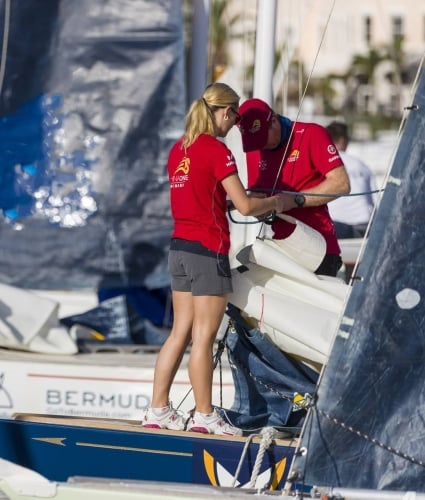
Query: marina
{"x": 322, "y": 374}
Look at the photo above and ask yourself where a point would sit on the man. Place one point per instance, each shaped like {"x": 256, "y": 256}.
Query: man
{"x": 297, "y": 157}
{"x": 351, "y": 214}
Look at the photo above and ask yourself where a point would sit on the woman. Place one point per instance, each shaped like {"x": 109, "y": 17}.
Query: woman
{"x": 202, "y": 173}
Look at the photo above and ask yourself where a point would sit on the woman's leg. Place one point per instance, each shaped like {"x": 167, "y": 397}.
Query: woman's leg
{"x": 172, "y": 351}
{"x": 207, "y": 316}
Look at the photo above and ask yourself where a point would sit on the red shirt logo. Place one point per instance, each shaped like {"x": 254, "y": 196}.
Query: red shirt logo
{"x": 183, "y": 166}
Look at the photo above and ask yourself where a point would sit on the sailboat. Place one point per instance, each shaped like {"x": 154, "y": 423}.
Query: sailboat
{"x": 362, "y": 436}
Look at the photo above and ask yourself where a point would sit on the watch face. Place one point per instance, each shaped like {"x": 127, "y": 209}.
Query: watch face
{"x": 299, "y": 199}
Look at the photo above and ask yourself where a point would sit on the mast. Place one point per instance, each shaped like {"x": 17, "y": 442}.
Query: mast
{"x": 198, "y": 50}
{"x": 265, "y": 50}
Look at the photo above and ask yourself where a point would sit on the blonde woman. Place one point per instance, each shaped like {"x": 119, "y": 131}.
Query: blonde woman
{"x": 202, "y": 174}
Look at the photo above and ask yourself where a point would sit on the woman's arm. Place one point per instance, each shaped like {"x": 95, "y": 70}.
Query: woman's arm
{"x": 254, "y": 205}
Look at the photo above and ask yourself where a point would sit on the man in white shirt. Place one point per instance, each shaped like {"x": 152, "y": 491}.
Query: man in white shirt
{"x": 351, "y": 214}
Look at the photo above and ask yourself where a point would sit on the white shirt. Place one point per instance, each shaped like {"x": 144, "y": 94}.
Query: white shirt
{"x": 355, "y": 209}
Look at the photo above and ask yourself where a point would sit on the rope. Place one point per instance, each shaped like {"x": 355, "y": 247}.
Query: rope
{"x": 316, "y": 57}
{"x": 268, "y": 434}
{"x": 241, "y": 366}
{"x": 330, "y": 195}
{"x": 270, "y": 218}
{"x": 370, "y": 439}
{"x": 304, "y": 92}
{"x": 217, "y": 361}
{"x": 299, "y": 109}
{"x": 242, "y": 459}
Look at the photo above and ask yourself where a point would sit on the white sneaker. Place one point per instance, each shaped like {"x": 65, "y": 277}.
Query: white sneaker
{"x": 164, "y": 418}
{"x": 212, "y": 423}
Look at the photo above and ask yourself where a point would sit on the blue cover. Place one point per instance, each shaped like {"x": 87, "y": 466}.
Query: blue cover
{"x": 265, "y": 379}
{"x": 92, "y": 99}
{"x": 367, "y": 429}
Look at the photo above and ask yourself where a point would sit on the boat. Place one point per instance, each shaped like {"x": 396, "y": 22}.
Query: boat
{"x": 363, "y": 430}
{"x": 62, "y": 447}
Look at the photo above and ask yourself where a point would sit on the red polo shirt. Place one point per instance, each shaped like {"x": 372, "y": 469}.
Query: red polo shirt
{"x": 310, "y": 155}
{"x": 198, "y": 199}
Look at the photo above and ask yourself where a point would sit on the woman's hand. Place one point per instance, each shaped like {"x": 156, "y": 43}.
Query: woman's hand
{"x": 284, "y": 202}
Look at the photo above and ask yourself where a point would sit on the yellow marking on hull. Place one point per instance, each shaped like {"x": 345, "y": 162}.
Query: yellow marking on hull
{"x": 209, "y": 467}
{"x": 278, "y": 473}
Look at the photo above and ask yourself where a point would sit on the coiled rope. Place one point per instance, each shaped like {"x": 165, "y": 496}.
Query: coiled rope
{"x": 268, "y": 434}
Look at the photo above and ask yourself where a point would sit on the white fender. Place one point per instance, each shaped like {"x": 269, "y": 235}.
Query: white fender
{"x": 299, "y": 324}
{"x": 29, "y": 322}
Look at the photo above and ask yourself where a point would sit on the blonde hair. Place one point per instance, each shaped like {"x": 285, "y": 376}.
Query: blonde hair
{"x": 200, "y": 117}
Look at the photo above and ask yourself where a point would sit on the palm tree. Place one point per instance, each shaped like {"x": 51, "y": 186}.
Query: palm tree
{"x": 363, "y": 66}
{"x": 395, "y": 54}
{"x": 220, "y": 34}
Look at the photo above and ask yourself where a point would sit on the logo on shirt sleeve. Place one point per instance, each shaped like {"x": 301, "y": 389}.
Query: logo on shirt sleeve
{"x": 230, "y": 160}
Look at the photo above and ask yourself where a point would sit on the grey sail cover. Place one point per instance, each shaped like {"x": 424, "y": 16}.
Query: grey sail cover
{"x": 367, "y": 429}
{"x": 92, "y": 98}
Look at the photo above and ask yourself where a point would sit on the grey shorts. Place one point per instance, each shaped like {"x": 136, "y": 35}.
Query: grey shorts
{"x": 200, "y": 272}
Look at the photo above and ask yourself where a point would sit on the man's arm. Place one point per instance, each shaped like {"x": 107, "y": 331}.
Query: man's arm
{"x": 335, "y": 182}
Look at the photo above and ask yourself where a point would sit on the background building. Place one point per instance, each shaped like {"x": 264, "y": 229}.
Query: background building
{"x": 359, "y": 58}
{"x": 354, "y": 61}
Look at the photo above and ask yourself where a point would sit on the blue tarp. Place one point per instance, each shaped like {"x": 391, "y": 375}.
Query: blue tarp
{"x": 93, "y": 97}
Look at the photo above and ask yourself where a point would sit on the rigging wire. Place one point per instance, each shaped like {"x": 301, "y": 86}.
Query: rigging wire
{"x": 392, "y": 158}
{"x": 313, "y": 67}
{"x": 270, "y": 218}
{"x": 405, "y": 114}
{"x": 329, "y": 195}
{"x": 5, "y": 42}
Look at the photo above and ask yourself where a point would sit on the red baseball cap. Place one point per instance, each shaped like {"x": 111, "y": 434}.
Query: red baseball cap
{"x": 254, "y": 124}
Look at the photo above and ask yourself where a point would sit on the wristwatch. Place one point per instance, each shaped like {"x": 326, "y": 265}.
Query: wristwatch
{"x": 299, "y": 199}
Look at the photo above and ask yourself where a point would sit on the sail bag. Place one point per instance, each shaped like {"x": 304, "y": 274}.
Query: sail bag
{"x": 265, "y": 378}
